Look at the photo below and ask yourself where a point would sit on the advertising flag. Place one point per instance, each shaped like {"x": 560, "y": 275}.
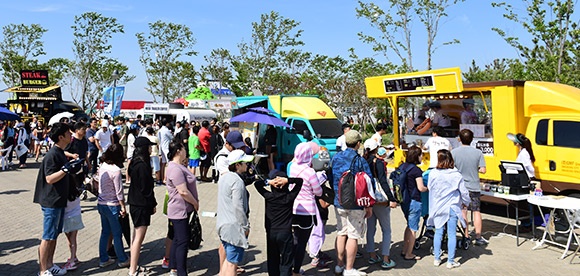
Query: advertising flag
{"x": 112, "y": 100}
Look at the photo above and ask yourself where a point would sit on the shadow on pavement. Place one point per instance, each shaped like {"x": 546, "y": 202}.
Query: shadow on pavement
{"x": 13, "y": 192}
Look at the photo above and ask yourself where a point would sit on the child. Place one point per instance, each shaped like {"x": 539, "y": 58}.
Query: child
{"x": 194, "y": 149}
{"x": 278, "y": 222}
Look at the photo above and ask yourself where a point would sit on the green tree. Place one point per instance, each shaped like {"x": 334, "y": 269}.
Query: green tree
{"x": 273, "y": 38}
{"x": 92, "y": 47}
{"x": 553, "y": 54}
{"x": 18, "y": 50}
{"x": 394, "y": 26}
{"x": 58, "y": 70}
{"x": 499, "y": 69}
{"x": 161, "y": 49}
{"x": 219, "y": 67}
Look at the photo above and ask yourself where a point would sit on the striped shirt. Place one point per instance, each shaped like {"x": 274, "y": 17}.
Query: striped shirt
{"x": 305, "y": 203}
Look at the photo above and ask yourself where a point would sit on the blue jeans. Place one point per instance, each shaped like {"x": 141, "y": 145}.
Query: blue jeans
{"x": 110, "y": 224}
{"x": 381, "y": 213}
{"x": 451, "y": 238}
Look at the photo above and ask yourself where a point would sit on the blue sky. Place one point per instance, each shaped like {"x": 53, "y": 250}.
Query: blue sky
{"x": 330, "y": 28}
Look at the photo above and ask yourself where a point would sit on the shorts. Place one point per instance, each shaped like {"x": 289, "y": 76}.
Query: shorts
{"x": 170, "y": 232}
{"x": 155, "y": 163}
{"x": 163, "y": 156}
{"x": 206, "y": 163}
{"x": 141, "y": 216}
{"x": 234, "y": 254}
{"x": 52, "y": 222}
{"x": 475, "y": 204}
{"x": 350, "y": 223}
{"x": 271, "y": 149}
{"x": 193, "y": 163}
{"x": 71, "y": 224}
{"x": 413, "y": 214}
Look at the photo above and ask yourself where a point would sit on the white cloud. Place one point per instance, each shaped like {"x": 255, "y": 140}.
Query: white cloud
{"x": 104, "y": 6}
{"x": 49, "y": 8}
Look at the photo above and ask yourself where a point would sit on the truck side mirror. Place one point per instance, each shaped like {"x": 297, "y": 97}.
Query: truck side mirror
{"x": 307, "y": 135}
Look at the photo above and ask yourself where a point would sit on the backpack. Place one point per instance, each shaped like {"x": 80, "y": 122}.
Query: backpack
{"x": 195, "y": 236}
{"x": 355, "y": 189}
{"x": 399, "y": 183}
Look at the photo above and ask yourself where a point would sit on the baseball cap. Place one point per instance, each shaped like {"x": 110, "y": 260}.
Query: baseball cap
{"x": 235, "y": 139}
{"x": 371, "y": 144}
{"x": 238, "y": 156}
{"x": 352, "y": 136}
{"x": 143, "y": 141}
{"x": 104, "y": 123}
{"x": 381, "y": 151}
{"x": 275, "y": 173}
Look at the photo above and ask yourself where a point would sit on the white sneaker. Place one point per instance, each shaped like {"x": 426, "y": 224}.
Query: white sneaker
{"x": 46, "y": 273}
{"x": 353, "y": 272}
{"x": 437, "y": 263}
{"x": 57, "y": 271}
{"x": 338, "y": 270}
{"x": 453, "y": 265}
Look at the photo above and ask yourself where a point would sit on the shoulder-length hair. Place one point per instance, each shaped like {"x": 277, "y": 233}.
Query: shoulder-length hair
{"x": 414, "y": 155}
{"x": 444, "y": 159}
{"x": 114, "y": 155}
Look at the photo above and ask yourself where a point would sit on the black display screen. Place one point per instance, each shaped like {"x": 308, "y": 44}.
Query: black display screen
{"x": 407, "y": 84}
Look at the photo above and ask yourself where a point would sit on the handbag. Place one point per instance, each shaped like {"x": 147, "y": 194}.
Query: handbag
{"x": 21, "y": 149}
{"x": 195, "y": 238}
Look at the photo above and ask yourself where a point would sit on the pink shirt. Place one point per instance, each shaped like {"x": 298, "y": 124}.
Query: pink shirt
{"x": 110, "y": 185}
{"x": 176, "y": 174}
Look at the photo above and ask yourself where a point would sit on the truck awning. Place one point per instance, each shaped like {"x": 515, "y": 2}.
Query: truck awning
{"x": 19, "y": 89}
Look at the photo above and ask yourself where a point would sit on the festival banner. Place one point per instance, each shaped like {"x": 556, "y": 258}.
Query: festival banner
{"x": 112, "y": 107}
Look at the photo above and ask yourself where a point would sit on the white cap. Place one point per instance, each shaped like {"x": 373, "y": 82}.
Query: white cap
{"x": 371, "y": 144}
{"x": 104, "y": 123}
{"x": 237, "y": 156}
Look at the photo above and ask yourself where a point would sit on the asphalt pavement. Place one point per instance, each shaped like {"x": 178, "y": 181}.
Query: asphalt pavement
{"x": 21, "y": 229}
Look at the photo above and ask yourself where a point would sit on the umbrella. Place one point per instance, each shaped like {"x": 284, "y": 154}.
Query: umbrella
{"x": 56, "y": 118}
{"x": 7, "y": 115}
{"x": 259, "y": 115}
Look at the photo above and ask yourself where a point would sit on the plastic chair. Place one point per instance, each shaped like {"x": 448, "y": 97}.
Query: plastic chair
{"x": 4, "y": 157}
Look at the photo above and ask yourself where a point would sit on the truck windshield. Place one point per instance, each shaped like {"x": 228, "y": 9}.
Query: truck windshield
{"x": 327, "y": 128}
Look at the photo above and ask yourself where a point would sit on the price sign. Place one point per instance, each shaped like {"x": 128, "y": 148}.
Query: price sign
{"x": 486, "y": 147}
{"x": 409, "y": 84}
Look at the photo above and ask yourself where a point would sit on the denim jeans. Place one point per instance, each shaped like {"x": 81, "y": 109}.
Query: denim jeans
{"x": 178, "y": 252}
{"x": 451, "y": 238}
{"x": 382, "y": 213}
{"x": 110, "y": 224}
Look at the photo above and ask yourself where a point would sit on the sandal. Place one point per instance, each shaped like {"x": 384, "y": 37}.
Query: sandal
{"x": 388, "y": 265}
{"x": 140, "y": 271}
{"x": 375, "y": 260}
{"x": 414, "y": 258}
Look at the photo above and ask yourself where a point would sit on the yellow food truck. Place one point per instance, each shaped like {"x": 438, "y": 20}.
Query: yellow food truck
{"x": 547, "y": 113}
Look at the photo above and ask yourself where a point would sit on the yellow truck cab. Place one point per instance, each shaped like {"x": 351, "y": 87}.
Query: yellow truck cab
{"x": 547, "y": 113}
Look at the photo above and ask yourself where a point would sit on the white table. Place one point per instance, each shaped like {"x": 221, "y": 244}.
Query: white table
{"x": 570, "y": 205}
{"x": 508, "y": 199}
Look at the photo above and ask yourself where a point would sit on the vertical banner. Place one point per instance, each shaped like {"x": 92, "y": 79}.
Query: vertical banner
{"x": 112, "y": 103}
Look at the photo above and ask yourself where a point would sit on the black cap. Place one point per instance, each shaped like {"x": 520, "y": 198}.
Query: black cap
{"x": 143, "y": 141}
{"x": 274, "y": 173}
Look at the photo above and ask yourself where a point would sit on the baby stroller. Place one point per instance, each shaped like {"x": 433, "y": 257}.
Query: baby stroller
{"x": 427, "y": 232}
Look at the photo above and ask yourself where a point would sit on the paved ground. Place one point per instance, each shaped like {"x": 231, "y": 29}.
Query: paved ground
{"x": 21, "y": 227}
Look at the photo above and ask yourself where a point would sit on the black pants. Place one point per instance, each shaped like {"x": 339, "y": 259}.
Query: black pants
{"x": 279, "y": 247}
{"x": 94, "y": 154}
{"x": 25, "y": 155}
{"x": 178, "y": 253}
{"x": 9, "y": 142}
{"x": 301, "y": 237}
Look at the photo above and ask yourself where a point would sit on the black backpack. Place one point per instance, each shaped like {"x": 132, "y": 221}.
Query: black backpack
{"x": 399, "y": 183}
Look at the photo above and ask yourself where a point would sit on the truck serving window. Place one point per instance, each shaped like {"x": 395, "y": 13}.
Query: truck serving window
{"x": 567, "y": 134}
{"x": 327, "y": 128}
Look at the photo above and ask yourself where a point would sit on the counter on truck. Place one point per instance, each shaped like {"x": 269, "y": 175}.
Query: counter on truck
{"x": 176, "y": 112}
{"x": 311, "y": 120}
{"x": 547, "y": 113}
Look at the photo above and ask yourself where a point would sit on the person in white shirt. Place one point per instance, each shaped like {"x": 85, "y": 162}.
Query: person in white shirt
{"x": 439, "y": 119}
{"x": 381, "y": 129}
{"x": 435, "y": 143}
{"x": 165, "y": 136}
{"x": 341, "y": 141}
{"x": 103, "y": 137}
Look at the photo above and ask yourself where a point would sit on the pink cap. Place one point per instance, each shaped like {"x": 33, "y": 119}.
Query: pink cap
{"x": 315, "y": 148}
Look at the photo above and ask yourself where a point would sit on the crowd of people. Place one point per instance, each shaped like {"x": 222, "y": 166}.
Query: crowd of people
{"x": 296, "y": 203}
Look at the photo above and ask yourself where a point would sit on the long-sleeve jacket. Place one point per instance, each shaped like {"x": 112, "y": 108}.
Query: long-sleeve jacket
{"x": 378, "y": 169}
{"x": 232, "y": 222}
{"x": 141, "y": 189}
{"x": 446, "y": 191}
{"x": 305, "y": 203}
{"x": 279, "y": 204}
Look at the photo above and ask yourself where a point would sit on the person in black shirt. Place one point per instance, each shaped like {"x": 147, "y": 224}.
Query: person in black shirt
{"x": 141, "y": 198}
{"x": 278, "y": 222}
{"x": 79, "y": 148}
{"x": 93, "y": 150}
{"x": 183, "y": 136}
{"x": 51, "y": 192}
{"x": 270, "y": 140}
